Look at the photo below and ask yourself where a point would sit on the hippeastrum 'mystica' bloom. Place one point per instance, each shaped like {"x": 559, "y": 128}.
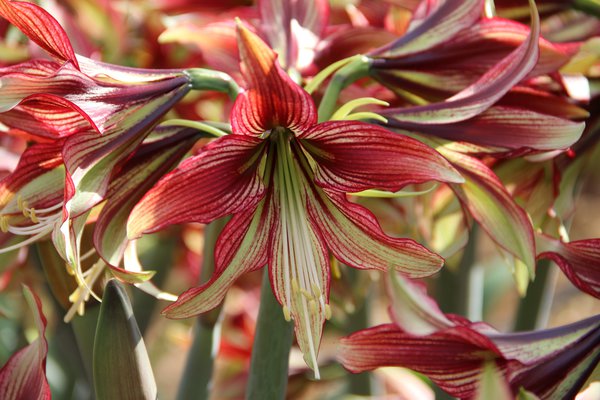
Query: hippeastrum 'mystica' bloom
{"x": 284, "y": 178}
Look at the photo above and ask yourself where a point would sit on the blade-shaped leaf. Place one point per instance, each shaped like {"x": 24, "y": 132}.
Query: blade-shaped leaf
{"x": 122, "y": 368}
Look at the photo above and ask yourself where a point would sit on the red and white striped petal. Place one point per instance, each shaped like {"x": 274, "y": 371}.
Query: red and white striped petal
{"x": 352, "y": 156}
{"x": 354, "y": 236}
{"x": 242, "y": 247}
{"x": 221, "y": 180}
{"x": 40, "y": 27}
{"x": 272, "y": 98}
{"x": 579, "y": 260}
{"x": 24, "y": 374}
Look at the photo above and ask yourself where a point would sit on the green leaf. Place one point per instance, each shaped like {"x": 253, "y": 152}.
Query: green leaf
{"x": 122, "y": 368}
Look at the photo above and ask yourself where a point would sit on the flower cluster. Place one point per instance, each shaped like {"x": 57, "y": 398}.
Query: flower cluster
{"x": 304, "y": 135}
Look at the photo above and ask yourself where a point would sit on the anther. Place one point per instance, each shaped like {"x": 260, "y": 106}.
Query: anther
{"x": 4, "y": 223}
{"x": 295, "y": 288}
{"x": 313, "y": 306}
{"x": 33, "y": 216}
{"x": 316, "y": 291}
{"x": 25, "y": 209}
{"x": 286, "y": 314}
{"x": 335, "y": 268}
{"x": 327, "y": 311}
{"x": 306, "y": 294}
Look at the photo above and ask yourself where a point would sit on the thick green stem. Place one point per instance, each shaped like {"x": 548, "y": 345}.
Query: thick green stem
{"x": 534, "y": 308}
{"x": 358, "y": 384}
{"x": 346, "y": 75}
{"x": 459, "y": 290}
{"x": 207, "y": 79}
{"x": 198, "y": 372}
{"x": 271, "y": 350}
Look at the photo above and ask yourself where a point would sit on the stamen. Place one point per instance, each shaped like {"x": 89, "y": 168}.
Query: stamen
{"x": 4, "y": 223}
{"x": 286, "y": 314}
{"x": 327, "y": 312}
{"x": 33, "y": 216}
{"x": 24, "y": 208}
{"x": 335, "y": 268}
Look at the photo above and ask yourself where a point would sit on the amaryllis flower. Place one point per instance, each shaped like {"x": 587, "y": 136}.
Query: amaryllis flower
{"x": 284, "y": 177}
{"x": 452, "y": 351}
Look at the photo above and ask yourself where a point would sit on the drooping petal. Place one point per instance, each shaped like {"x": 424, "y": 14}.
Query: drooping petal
{"x": 354, "y": 156}
{"x": 579, "y": 260}
{"x": 90, "y": 158}
{"x": 509, "y": 128}
{"x": 490, "y": 204}
{"x": 451, "y": 17}
{"x": 480, "y": 95}
{"x": 452, "y": 358}
{"x": 241, "y": 247}
{"x": 24, "y": 374}
{"x": 354, "y": 237}
{"x": 137, "y": 176}
{"x": 40, "y": 27}
{"x": 272, "y": 98}
{"x": 221, "y": 180}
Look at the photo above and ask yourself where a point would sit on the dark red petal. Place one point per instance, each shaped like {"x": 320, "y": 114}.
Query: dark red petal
{"x": 353, "y": 156}
{"x": 39, "y": 26}
{"x": 579, "y": 260}
{"x": 452, "y": 358}
{"x": 272, "y": 98}
{"x": 221, "y": 180}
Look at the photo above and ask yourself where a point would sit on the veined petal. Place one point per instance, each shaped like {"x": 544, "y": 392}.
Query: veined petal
{"x": 137, "y": 176}
{"x": 272, "y": 98}
{"x": 241, "y": 247}
{"x": 509, "y": 128}
{"x": 353, "y": 156}
{"x": 40, "y": 27}
{"x": 24, "y": 374}
{"x": 298, "y": 260}
{"x": 451, "y": 17}
{"x": 488, "y": 201}
{"x": 579, "y": 260}
{"x": 222, "y": 179}
{"x": 452, "y": 358}
{"x": 353, "y": 235}
{"x": 90, "y": 158}
{"x": 480, "y": 95}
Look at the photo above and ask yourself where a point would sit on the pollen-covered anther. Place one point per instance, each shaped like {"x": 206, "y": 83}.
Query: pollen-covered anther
{"x": 316, "y": 290}
{"x": 286, "y": 313}
{"x": 312, "y": 304}
{"x": 33, "y": 217}
{"x": 4, "y": 223}
{"x": 295, "y": 287}
{"x": 327, "y": 312}
{"x": 335, "y": 268}
{"x": 307, "y": 294}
